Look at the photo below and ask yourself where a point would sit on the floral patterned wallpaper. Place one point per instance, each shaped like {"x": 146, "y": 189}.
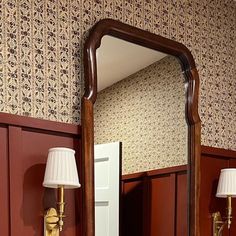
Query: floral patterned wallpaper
{"x": 138, "y": 111}
{"x": 41, "y": 43}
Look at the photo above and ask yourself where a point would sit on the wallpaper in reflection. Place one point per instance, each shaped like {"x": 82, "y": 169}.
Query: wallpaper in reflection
{"x": 146, "y": 113}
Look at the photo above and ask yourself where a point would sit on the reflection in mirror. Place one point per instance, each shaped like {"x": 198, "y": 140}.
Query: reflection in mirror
{"x": 141, "y": 105}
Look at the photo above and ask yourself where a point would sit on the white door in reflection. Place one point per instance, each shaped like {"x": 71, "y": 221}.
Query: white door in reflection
{"x": 107, "y": 188}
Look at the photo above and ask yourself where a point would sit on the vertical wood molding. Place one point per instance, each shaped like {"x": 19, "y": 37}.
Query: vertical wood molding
{"x": 16, "y": 183}
{"x": 88, "y": 168}
{"x": 146, "y": 205}
{"x": 4, "y": 183}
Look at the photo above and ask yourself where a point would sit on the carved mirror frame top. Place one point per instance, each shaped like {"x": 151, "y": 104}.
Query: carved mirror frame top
{"x": 143, "y": 38}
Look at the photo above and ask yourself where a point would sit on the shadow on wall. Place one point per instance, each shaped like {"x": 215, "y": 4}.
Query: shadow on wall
{"x": 216, "y": 204}
{"x": 132, "y": 210}
{"x": 36, "y": 198}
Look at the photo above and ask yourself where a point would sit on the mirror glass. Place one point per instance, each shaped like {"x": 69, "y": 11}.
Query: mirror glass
{"x": 141, "y": 147}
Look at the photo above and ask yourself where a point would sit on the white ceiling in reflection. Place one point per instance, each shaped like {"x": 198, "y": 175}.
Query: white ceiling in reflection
{"x": 118, "y": 59}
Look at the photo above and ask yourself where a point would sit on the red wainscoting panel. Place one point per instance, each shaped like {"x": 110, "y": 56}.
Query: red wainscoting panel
{"x": 4, "y": 187}
{"x": 182, "y": 199}
{"x": 232, "y": 163}
{"x": 155, "y": 203}
{"x": 212, "y": 161}
{"x": 132, "y": 208}
{"x": 162, "y": 209}
{"x": 22, "y": 171}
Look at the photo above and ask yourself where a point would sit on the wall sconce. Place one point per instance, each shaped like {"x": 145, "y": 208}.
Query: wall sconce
{"x": 226, "y": 189}
{"x": 61, "y": 173}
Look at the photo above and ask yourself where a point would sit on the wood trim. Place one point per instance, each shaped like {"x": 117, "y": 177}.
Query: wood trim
{"x": 220, "y": 152}
{"x": 35, "y": 123}
{"x": 133, "y": 35}
{"x": 15, "y": 203}
{"x": 88, "y": 198}
{"x": 173, "y": 177}
{"x": 146, "y": 205}
{"x": 168, "y": 170}
{"x": 134, "y": 176}
{"x": 120, "y": 188}
{"x": 149, "y": 40}
{"x": 4, "y": 183}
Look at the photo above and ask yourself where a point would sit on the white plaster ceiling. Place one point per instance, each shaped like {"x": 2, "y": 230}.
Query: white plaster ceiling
{"x": 117, "y": 59}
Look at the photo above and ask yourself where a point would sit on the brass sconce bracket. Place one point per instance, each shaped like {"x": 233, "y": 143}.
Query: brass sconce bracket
{"x": 218, "y": 224}
{"x": 51, "y": 220}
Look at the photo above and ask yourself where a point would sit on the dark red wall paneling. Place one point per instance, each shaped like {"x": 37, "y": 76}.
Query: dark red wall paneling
{"x": 232, "y": 163}
{"x": 4, "y": 187}
{"x": 156, "y": 199}
{"x": 23, "y": 157}
{"x": 212, "y": 161}
{"x": 181, "y": 210}
{"x": 210, "y": 170}
{"x": 162, "y": 208}
{"x": 155, "y": 203}
{"x": 132, "y": 208}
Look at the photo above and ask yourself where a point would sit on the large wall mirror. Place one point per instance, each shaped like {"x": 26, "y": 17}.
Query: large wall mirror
{"x": 141, "y": 134}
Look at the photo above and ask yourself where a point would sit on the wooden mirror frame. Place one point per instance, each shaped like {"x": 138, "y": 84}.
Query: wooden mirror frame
{"x": 152, "y": 41}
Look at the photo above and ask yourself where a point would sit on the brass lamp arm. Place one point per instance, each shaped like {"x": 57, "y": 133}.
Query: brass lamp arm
{"x": 218, "y": 224}
{"x": 53, "y": 219}
{"x": 221, "y": 228}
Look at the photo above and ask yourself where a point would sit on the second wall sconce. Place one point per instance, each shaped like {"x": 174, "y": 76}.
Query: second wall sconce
{"x": 226, "y": 189}
{"x": 61, "y": 173}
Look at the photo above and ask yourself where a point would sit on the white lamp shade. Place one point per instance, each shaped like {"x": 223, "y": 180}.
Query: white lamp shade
{"x": 227, "y": 183}
{"x": 61, "y": 169}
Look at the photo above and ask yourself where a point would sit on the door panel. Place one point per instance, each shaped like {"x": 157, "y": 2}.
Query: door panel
{"x": 107, "y": 188}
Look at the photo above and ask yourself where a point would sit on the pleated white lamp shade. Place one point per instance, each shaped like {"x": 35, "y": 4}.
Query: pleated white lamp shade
{"x": 61, "y": 169}
{"x": 227, "y": 183}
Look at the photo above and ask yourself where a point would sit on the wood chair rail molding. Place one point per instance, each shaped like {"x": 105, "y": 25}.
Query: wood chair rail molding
{"x": 40, "y": 124}
{"x": 159, "y": 43}
{"x": 218, "y": 152}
